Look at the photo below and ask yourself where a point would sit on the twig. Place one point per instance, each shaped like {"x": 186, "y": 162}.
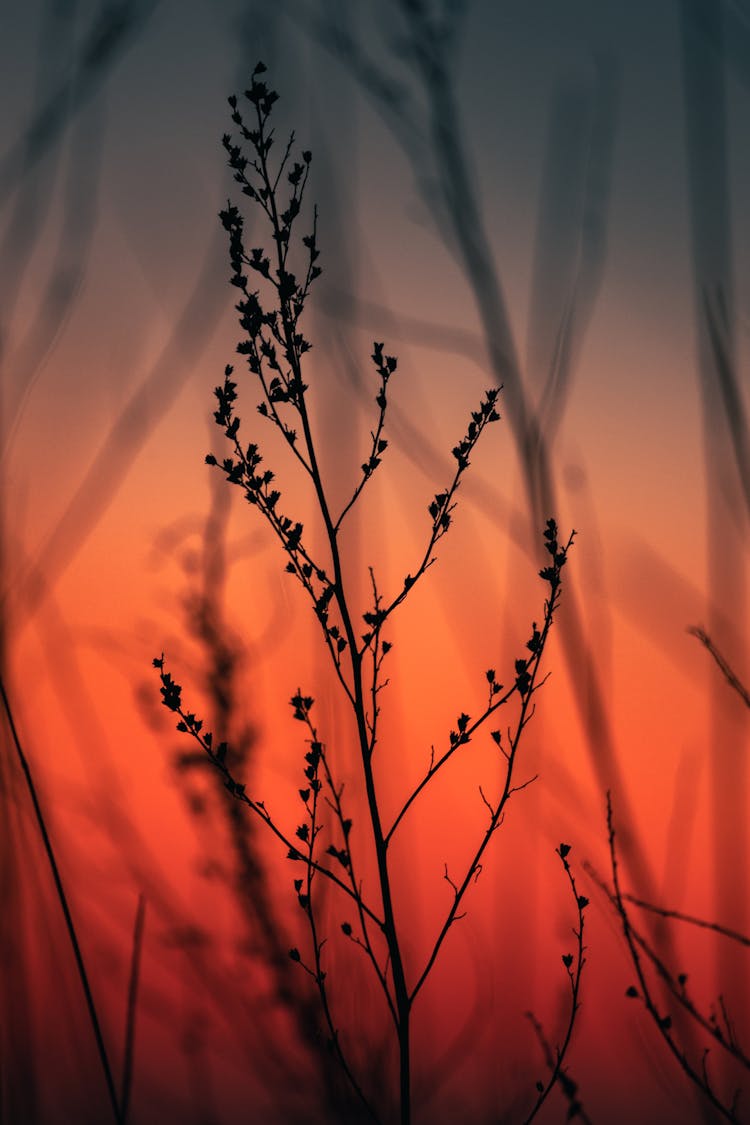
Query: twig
{"x": 526, "y": 673}
{"x": 555, "y": 1063}
{"x": 308, "y": 833}
{"x": 723, "y": 931}
{"x": 189, "y": 724}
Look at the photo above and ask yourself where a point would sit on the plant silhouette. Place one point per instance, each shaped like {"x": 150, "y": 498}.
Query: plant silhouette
{"x": 683, "y": 1024}
{"x": 321, "y": 845}
{"x": 669, "y": 1000}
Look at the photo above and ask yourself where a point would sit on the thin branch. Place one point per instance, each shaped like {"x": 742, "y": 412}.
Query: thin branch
{"x": 385, "y": 366}
{"x": 442, "y": 506}
{"x": 463, "y": 738}
{"x": 188, "y": 724}
{"x": 345, "y": 825}
{"x": 723, "y": 931}
{"x": 555, "y": 1062}
{"x": 526, "y": 673}
{"x": 311, "y": 801}
{"x": 526, "y": 676}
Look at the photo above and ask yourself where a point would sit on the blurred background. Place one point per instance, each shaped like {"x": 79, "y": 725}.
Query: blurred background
{"x": 548, "y": 197}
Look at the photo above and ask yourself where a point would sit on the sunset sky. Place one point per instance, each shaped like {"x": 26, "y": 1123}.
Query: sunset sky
{"x": 604, "y": 165}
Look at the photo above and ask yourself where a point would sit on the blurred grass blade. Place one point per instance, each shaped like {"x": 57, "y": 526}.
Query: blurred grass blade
{"x": 135, "y": 965}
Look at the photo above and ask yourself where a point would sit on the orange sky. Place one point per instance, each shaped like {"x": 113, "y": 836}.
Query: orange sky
{"x": 105, "y": 503}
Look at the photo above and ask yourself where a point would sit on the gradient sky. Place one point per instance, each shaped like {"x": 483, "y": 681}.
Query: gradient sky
{"x": 116, "y": 321}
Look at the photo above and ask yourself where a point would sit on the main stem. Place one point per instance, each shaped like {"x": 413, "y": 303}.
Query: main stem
{"x": 400, "y": 990}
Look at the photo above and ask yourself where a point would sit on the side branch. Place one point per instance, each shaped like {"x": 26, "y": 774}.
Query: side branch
{"x": 385, "y": 366}
{"x": 555, "y": 1062}
{"x": 526, "y": 683}
{"x": 691, "y": 920}
{"x": 443, "y": 505}
{"x": 526, "y": 674}
{"x": 189, "y": 724}
{"x": 308, "y": 833}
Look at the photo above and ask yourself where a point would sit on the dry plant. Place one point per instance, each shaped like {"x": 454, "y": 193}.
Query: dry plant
{"x": 664, "y": 992}
{"x": 405, "y": 60}
{"x": 666, "y": 995}
{"x": 320, "y": 844}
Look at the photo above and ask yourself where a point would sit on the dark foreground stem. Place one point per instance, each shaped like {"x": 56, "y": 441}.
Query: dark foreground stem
{"x": 62, "y": 898}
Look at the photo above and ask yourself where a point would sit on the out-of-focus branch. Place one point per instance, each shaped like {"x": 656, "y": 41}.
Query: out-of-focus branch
{"x": 732, "y": 679}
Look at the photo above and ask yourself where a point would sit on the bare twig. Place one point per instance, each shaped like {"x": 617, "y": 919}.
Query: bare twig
{"x": 555, "y": 1061}
{"x": 702, "y": 923}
